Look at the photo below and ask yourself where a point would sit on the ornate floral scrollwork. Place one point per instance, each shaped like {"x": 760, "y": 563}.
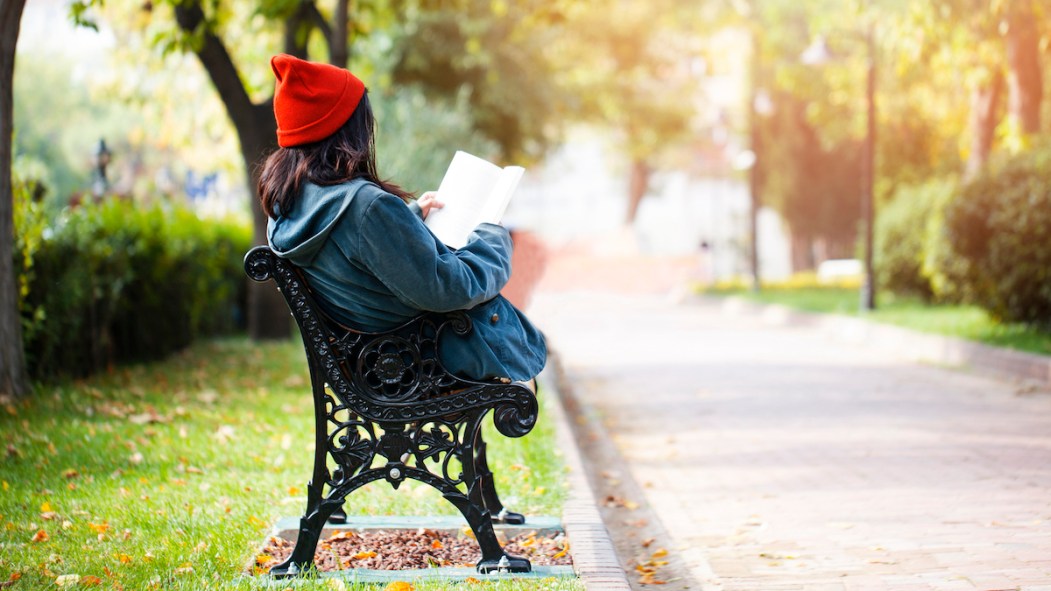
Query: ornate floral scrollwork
{"x": 515, "y": 418}
{"x": 389, "y": 366}
{"x": 350, "y": 450}
{"x": 259, "y": 263}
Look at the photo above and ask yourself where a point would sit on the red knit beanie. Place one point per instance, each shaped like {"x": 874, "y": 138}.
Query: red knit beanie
{"x": 311, "y": 100}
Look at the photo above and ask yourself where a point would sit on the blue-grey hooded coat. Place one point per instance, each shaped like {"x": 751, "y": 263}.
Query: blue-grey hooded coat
{"x": 372, "y": 265}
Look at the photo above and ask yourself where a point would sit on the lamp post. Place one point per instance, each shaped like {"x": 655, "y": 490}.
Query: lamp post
{"x": 818, "y": 54}
{"x": 100, "y": 184}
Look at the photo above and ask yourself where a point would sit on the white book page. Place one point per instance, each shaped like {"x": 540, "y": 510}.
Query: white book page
{"x": 501, "y": 194}
{"x": 464, "y": 190}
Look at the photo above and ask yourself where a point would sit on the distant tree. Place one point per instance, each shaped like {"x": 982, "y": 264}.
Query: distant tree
{"x": 13, "y": 380}
{"x": 632, "y": 66}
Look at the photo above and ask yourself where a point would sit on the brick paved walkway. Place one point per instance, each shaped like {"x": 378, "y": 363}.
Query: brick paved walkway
{"x": 777, "y": 459}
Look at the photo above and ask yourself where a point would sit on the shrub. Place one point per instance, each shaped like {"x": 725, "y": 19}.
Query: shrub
{"x": 904, "y": 230}
{"x": 998, "y": 227}
{"x": 117, "y": 281}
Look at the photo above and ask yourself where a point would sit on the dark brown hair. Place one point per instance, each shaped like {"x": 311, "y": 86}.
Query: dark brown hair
{"x": 348, "y": 154}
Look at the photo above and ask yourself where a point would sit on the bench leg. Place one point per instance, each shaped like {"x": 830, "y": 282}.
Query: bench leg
{"x": 310, "y": 527}
{"x": 488, "y": 486}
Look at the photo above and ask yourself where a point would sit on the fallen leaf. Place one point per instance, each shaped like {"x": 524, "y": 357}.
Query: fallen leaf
{"x": 660, "y": 552}
{"x": 184, "y": 569}
{"x": 264, "y": 559}
{"x": 123, "y": 558}
{"x": 71, "y": 473}
{"x": 336, "y": 585}
{"x": 362, "y": 555}
{"x": 67, "y": 580}
{"x": 399, "y": 586}
{"x": 91, "y": 581}
{"x": 99, "y": 528}
{"x": 136, "y": 458}
{"x": 646, "y": 543}
{"x": 40, "y": 536}
{"x": 436, "y": 544}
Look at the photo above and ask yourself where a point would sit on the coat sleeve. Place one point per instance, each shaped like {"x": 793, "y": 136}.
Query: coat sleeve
{"x": 401, "y": 252}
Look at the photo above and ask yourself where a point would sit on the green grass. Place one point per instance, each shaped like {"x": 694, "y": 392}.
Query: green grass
{"x": 170, "y": 475}
{"x": 967, "y": 322}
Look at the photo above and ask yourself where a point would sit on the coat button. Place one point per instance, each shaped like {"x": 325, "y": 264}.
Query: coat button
{"x": 494, "y": 318}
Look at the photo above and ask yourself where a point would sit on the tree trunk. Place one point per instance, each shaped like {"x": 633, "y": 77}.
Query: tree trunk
{"x": 268, "y": 315}
{"x": 1023, "y": 61}
{"x": 13, "y": 380}
{"x": 256, "y": 127}
{"x": 985, "y": 115}
{"x": 638, "y": 182}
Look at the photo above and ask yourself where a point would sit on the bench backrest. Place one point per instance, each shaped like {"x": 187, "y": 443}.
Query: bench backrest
{"x": 393, "y": 376}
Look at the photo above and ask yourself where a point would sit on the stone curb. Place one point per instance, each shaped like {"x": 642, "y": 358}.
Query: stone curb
{"x": 594, "y": 557}
{"x": 910, "y": 344}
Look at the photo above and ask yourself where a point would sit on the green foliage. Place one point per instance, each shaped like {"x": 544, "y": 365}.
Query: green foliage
{"x": 417, "y": 137}
{"x": 491, "y": 53}
{"x": 904, "y": 229}
{"x": 998, "y": 226}
{"x": 117, "y": 281}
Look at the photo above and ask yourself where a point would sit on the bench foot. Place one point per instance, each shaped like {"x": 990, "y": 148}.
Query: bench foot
{"x": 509, "y": 517}
{"x": 506, "y": 564}
{"x": 339, "y": 516}
{"x": 288, "y": 569}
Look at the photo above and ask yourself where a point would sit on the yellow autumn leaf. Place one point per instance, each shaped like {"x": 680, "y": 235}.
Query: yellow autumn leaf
{"x": 123, "y": 558}
{"x": 99, "y": 528}
{"x": 91, "y": 581}
{"x": 399, "y": 586}
{"x": 363, "y": 555}
{"x": 44, "y": 507}
{"x": 264, "y": 559}
{"x": 436, "y": 544}
{"x": 40, "y": 536}
{"x": 67, "y": 580}
{"x": 659, "y": 552}
{"x": 293, "y": 491}
{"x": 472, "y": 581}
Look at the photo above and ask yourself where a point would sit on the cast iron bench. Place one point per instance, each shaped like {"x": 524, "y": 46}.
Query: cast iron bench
{"x": 385, "y": 408}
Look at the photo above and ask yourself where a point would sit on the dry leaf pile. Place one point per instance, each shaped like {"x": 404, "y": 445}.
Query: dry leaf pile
{"x": 407, "y": 549}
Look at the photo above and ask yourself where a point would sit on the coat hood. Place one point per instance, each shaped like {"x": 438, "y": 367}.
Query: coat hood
{"x": 299, "y": 234}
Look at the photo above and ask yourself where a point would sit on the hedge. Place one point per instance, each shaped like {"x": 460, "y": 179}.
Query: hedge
{"x": 903, "y": 236}
{"x": 117, "y": 281}
{"x": 999, "y": 226}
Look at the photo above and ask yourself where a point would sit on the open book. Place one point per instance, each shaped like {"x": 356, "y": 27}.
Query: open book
{"x": 473, "y": 191}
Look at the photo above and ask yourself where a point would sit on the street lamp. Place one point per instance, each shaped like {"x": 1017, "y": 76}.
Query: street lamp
{"x": 818, "y": 54}
{"x": 100, "y": 184}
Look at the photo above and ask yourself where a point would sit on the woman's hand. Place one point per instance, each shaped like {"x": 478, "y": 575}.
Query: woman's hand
{"x": 429, "y": 201}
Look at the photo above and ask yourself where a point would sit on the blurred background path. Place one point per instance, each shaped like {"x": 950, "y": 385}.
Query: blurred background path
{"x": 766, "y": 457}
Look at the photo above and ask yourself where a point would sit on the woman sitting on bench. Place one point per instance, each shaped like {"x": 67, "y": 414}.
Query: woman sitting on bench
{"x": 371, "y": 262}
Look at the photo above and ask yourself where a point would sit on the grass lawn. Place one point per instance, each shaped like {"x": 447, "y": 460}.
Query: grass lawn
{"x": 968, "y": 322}
{"x": 170, "y": 475}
